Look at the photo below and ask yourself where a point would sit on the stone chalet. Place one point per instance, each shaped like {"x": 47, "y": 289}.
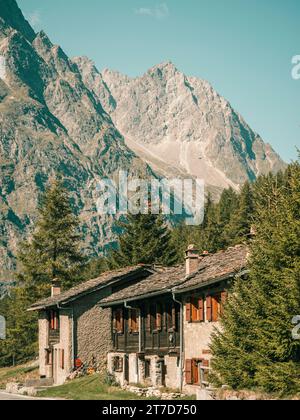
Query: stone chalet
{"x": 145, "y": 325}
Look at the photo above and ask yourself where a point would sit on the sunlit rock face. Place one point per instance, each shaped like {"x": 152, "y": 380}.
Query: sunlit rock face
{"x": 180, "y": 124}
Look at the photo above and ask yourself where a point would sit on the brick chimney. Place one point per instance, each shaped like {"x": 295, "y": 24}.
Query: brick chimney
{"x": 191, "y": 259}
{"x": 55, "y": 288}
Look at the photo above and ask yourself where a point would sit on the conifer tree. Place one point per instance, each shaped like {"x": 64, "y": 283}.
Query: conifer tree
{"x": 146, "y": 239}
{"x": 52, "y": 252}
{"x": 239, "y": 227}
{"x": 256, "y": 348}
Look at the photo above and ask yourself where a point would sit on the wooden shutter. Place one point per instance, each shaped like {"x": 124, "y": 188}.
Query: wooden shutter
{"x": 148, "y": 320}
{"x": 209, "y": 308}
{"x": 56, "y": 320}
{"x": 114, "y": 321}
{"x": 130, "y": 321}
{"x": 121, "y": 321}
{"x": 189, "y": 311}
{"x": 134, "y": 321}
{"x": 51, "y": 320}
{"x": 201, "y": 309}
{"x": 188, "y": 372}
{"x": 195, "y": 372}
{"x": 174, "y": 317}
{"x": 194, "y": 309}
{"x": 215, "y": 308}
{"x": 158, "y": 317}
{"x": 165, "y": 317}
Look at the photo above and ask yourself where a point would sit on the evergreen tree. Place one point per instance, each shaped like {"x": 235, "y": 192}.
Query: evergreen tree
{"x": 239, "y": 227}
{"x": 145, "y": 239}
{"x": 52, "y": 252}
{"x": 54, "y": 249}
{"x": 255, "y": 347}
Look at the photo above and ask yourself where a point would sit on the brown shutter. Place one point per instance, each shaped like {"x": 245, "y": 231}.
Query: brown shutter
{"x": 165, "y": 321}
{"x": 194, "y": 310}
{"x": 114, "y": 321}
{"x": 122, "y": 321}
{"x": 189, "y": 311}
{"x": 195, "y": 372}
{"x": 201, "y": 309}
{"x": 174, "y": 317}
{"x": 209, "y": 308}
{"x": 148, "y": 321}
{"x": 188, "y": 372}
{"x": 215, "y": 309}
{"x": 51, "y": 320}
{"x": 158, "y": 317}
{"x": 130, "y": 321}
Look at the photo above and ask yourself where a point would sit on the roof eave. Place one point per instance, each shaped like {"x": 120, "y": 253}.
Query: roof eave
{"x": 210, "y": 282}
{"x": 87, "y": 292}
{"x": 134, "y": 299}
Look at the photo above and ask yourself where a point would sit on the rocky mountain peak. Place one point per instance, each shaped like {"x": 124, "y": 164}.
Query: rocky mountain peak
{"x": 12, "y": 15}
{"x": 181, "y": 125}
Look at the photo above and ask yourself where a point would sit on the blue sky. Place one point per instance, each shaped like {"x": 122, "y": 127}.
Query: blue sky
{"x": 243, "y": 47}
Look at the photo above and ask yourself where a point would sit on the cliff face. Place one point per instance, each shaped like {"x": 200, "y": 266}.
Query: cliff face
{"x": 180, "y": 124}
{"x": 51, "y": 123}
{"x": 62, "y": 116}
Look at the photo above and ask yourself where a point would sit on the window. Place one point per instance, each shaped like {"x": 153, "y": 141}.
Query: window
{"x": 214, "y": 306}
{"x": 133, "y": 321}
{"x": 54, "y": 320}
{"x": 192, "y": 371}
{"x": 147, "y": 368}
{"x": 172, "y": 321}
{"x": 118, "y": 364}
{"x": 209, "y": 309}
{"x": 48, "y": 356}
{"x": 118, "y": 321}
{"x": 62, "y": 359}
{"x": 195, "y": 310}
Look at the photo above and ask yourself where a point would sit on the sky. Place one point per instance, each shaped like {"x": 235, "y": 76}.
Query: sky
{"x": 244, "y": 48}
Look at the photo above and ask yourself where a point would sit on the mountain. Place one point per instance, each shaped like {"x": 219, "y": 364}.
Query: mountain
{"x": 181, "y": 126}
{"x": 62, "y": 116}
{"x": 51, "y": 123}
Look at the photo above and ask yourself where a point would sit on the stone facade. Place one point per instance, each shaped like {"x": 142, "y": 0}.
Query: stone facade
{"x": 92, "y": 330}
{"x": 162, "y": 371}
{"x": 45, "y": 370}
{"x": 84, "y": 333}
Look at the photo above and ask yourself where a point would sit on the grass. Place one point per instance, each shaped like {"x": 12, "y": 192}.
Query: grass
{"x": 17, "y": 374}
{"x": 88, "y": 388}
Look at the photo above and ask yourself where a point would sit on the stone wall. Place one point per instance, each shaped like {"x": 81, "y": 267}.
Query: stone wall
{"x": 197, "y": 339}
{"x": 65, "y": 344}
{"x": 92, "y": 329}
{"x": 43, "y": 343}
{"x": 161, "y": 369}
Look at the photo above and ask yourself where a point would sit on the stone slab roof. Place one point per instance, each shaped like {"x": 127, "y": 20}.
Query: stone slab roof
{"x": 212, "y": 268}
{"x": 90, "y": 286}
{"x": 215, "y": 267}
{"x": 159, "y": 283}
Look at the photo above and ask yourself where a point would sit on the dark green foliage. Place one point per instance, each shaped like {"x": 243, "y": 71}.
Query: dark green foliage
{"x": 52, "y": 252}
{"x": 256, "y": 348}
{"x": 146, "y": 239}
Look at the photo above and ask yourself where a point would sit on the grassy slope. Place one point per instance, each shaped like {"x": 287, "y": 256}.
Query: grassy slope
{"x": 88, "y": 388}
{"x": 17, "y": 374}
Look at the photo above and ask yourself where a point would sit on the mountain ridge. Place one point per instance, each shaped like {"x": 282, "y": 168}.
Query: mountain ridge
{"x": 63, "y": 116}
{"x": 166, "y": 106}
